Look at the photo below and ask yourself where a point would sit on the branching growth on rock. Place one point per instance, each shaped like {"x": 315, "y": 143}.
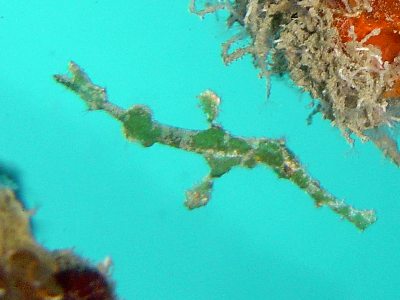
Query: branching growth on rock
{"x": 344, "y": 53}
{"x": 221, "y": 150}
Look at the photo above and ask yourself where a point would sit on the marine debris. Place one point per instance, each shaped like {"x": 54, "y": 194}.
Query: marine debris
{"x": 345, "y": 53}
{"x": 30, "y": 272}
{"x": 221, "y": 150}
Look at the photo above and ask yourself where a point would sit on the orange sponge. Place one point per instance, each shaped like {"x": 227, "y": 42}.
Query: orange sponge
{"x": 384, "y": 15}
{"x": 382, "y": 18}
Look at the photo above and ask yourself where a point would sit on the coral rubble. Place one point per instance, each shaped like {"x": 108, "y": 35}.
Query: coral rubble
{"x": 30, "y": 272}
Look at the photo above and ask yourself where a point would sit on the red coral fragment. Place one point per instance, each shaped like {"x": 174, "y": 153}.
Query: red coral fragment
{"x": 83, "y": 284}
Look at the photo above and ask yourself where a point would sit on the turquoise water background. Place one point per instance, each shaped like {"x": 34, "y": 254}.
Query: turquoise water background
{"x": 259, "y": 237}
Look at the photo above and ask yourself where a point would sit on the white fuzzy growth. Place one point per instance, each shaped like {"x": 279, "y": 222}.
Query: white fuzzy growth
{"x": 347, "y": 6}
{"x": 375, "y": 32}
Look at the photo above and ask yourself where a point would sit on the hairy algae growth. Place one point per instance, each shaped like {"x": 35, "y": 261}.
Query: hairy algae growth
{"x": 343, "y": 52}
{"x": 221, "y": 150}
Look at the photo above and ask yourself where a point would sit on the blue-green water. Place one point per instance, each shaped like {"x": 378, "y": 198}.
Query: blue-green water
{"x": 259, "y": 238}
